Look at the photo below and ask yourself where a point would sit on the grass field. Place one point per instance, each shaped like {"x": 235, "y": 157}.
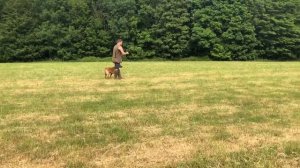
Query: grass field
{"x": 164, "y": 114}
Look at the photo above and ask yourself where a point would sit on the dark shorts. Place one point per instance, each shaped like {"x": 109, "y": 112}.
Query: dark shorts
{"x": 117, "y": 65}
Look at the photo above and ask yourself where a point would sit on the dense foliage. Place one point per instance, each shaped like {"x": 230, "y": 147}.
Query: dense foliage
{"x": 32, "y": 30}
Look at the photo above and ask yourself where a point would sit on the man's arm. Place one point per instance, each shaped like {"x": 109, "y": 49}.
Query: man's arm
{"x": 122, "y": 51}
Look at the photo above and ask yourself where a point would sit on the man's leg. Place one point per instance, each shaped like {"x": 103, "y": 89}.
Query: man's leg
{"x": 117, "y": 73}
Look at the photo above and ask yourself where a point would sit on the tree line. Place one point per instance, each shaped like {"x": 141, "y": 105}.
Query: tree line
{"x": 34, "y": 30}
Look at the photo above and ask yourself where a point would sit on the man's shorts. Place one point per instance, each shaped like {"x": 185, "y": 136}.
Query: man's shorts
{"x": 117, "y": 65}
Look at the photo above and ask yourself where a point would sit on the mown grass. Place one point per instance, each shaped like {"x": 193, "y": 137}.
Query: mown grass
{"x": 164, "y": 114}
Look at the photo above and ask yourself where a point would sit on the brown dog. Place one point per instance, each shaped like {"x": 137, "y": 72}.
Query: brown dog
{"x": 108, "y": 72}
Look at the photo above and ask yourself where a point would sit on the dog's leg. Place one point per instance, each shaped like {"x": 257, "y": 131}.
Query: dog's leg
{"x": 105, "y": 74}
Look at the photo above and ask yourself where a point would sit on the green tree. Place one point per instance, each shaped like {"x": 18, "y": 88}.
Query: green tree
{"x": 144, "y": 46}
{"x": 276, "y": 28}
{"x": 171, "y": 30}
{"x": 223, "y": 30}
{"x": 15, "y": 27}
{"x": 32, "y": 30}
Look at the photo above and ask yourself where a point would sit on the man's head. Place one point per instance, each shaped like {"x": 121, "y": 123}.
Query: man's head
{"x": 120, "y": 42}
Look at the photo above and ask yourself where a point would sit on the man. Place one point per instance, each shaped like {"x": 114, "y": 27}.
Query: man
{"x": 118, "y": 53}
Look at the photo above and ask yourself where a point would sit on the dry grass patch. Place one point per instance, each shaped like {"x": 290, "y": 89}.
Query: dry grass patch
{"x": 153, "y": 153}
{"x": 34, "y": 125}
{"x": 33, "y": 117}
{"x": 132, "y": 96}
{"x": 25, "y": 83}
{"x": 80, "y": 99}
{"x": 119, "y": 117}
{"x": 255, "y": 136}
{"x": 150, "y": 131}
{"x": 24, "y": 162}
{"x": 21, "y": 87}
{"x": 180, "y": 86}
{"x": 179, "y": 77}
{"x": 221, "y": 109}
